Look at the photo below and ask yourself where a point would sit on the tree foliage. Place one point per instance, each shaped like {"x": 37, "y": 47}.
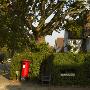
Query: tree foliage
{"x": 74, "y": 28}
{"x": 18, "y": 18}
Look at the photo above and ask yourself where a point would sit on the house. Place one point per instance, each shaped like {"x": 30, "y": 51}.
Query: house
{"x": 59, "y": 45}
{"x": 87, "y": 32}
{"x": 72, "y": 44}
{"x": 86, "y": 40}
{"x": 83, "y": 43}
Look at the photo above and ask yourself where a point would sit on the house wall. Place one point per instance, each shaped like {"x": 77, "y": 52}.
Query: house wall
{"x": 50, "y": 39}
{"x": 65, "y": 41}
{"x": 59, "y": 45}
{"x": 68, "y": 41}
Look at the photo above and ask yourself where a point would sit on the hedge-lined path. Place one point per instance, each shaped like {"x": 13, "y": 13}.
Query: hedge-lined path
{"x": 6, "y": 84}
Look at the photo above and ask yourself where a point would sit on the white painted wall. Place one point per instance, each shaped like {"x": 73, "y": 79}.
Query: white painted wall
{"x": 65, "y": 41}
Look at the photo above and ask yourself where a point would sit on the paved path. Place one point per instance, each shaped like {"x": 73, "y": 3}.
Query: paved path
{"x": 3, "y": 83}
{"x": 6, "y": 84}
{"x": 1, "y": 67}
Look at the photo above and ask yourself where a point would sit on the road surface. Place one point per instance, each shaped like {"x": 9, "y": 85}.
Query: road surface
{"x": 6, "y": 84}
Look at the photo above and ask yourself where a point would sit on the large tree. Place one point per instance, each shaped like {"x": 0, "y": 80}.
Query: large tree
{"x": 18, "y": 17}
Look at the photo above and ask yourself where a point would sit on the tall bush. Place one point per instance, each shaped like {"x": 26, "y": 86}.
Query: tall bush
{"x": 56, "y": 64}
{"x": 36, "y": 57}
{"x": 66, "y": 63}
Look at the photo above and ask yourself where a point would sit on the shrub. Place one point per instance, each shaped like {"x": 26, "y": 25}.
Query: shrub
{"x": 16, "y": 62}
{"x": 36, "y": 58}
{"x": 56, "y": 64}
{"x": 66, "y": 63}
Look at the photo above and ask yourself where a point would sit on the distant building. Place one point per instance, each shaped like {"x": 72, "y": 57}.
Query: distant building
{"x": 72, "y": 44}
{"x": 87, "y": 28}
{"x": 87, "y": 32}
{"x": 59, "y": 44}
{"x": 50, "y": 39}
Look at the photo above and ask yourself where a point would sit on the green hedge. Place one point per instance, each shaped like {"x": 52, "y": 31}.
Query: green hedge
{"x": 40, "y": 53}
{"x": 56, "y": 64}
{"x": 16, "y": 63}
{"x": 66, "y": 63}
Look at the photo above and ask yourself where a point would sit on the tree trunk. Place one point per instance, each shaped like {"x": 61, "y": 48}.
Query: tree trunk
{"x": 40, "y": 39}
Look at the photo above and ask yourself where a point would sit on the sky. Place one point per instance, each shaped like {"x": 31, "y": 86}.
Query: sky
{"x": 51, "y": 38}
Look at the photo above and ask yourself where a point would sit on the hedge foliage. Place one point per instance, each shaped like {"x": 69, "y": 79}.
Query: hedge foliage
{"x": 68, "y": 63}
{"x": 56, "y": 64}
{"x": 36, "y": 58}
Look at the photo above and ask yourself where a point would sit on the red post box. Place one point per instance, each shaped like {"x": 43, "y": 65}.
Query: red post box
{"x": 25, "y": 69}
